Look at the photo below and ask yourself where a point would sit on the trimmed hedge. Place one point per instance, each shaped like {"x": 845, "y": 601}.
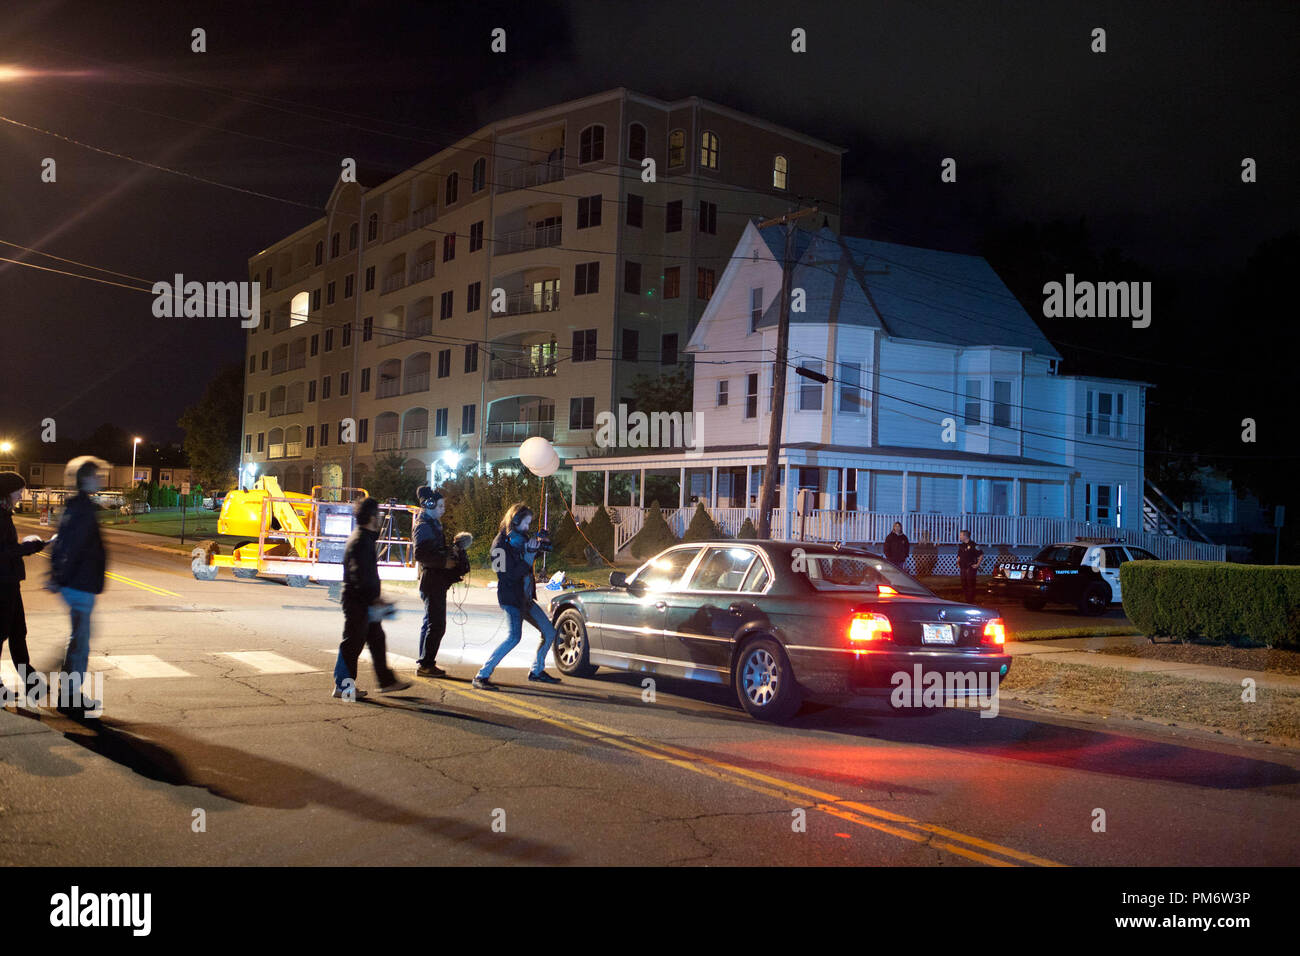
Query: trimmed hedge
{"x": 747, "y": 531}
{"x": 654, "y": 536}
{"x": 1246, "y": 603}
{"x": 702, "y": 526}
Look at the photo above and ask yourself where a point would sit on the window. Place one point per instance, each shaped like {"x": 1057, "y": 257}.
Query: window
{"x": 476, "y": 236}
{"x": 668, "y": 349}
{"x": 632, "y": 277}
{"x": 722, "y": 569}
{"x": 325, "y": 388}
{"x": 582, "y": 413}
{"x": 631, "y": 345}
{"x": 334, "y": 248}
{"x": 344, "y": 378}
{"x": 440, "y": 423}
{"x": 478, "y": 177}
{"x": 677, "y": 148}
{"x": 723, "y": 397}
{"x": 329, "y": 340}
{"x": 363, "y": 431}
{"x": 449, "y": 247}
{"x": 810, "y": 392}
{"x": 315, "y": 300}
{"x": 444, "y": 363}
{"x": 266, "y": 318}
{"x": 311, "y": 436}
{"x": 1001, "y": 404}
{"x": 467, "y": 419}
{"x": 672, "y": 282}
{"x": 751, "y": 395}
{"x": 780, "y": 172}
{"x": 1098, "y": 503}
{"x": 852, "y": 401}
{"x": 972, "y": 401}
{"x": 252, "y": 364}
{"x": 755, "y": 308}
{"x": 586, "y": 278}
{"x": 473, "y": 296}
{"x": 349, "y": 285}
{"x": 353, "y": 231}
{"x": 264, "y": 358}
{"x": 663, "y": 573}
{"x": 311, "y": 390}
{"x": 589, "y": 211}
{"x": 261, "y": 402}
{"x": 453, "y": 188}
{"x": 1105, "y": 414}
{"x": 270, "y": 271}
{"x": 584, "y": 345}
{"x": 709, "y": 217}
{"x": 636, "y": 142}
{"x": 370, "y": 278}
{"x": 471, "y": 357}
{"x": 347, "y": 335}
{"x": 261, "y": 441}
{"x": 315, "y": 345}
{"x": 709, "y": 150}
{"x": 320, "y": 252}
{"x": 365, "y": 379}
{"x": 635, "y": 210}
{"x": 367, "y": 328}
{"x": 591, "y": 144}
{"x": 249, "y": 409}
{"x": 445, "y": 306}
{"x": 324, "y": 434}
{"x": 673, "y": 216}
{"x": 705, "y": 280}
{"x": 248, "y": 444}
{"x": 372, "y": 227}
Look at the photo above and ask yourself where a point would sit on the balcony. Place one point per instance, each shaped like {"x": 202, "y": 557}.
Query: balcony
{"x": 298, "y": 361}
{"x": 514, "y": 432}
{"x": 504, "y": 369}
{"x": 537, "y": 174}
{"x": 530, "y": 237}
{"x": 387, "y": 442}
{"x": 275, "y": 451}
{"x": 424, "y": 215}
{"x": 420, "y": 325}
{"x": 417, "y": 383}
{"x": 293, "y": 449}
{"x": 387, "y": 388}
{"x": 523, "y": 303}
{"x": 393, "y": 283}
{"x": 421, "y": 271}
{"x": 293, "y": 406}
{"x": 277, "y": 409}
{"x": 395, "y": 230}
{"x": 279, "y": 365}
{"x": 415, "y": 438}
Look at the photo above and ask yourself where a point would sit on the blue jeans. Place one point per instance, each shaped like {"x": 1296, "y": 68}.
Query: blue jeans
{"x": 538, "y": 619}
{"x": 77, "y": 656}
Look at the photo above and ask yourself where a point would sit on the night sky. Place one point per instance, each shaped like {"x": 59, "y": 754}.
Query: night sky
{"x": 1142, "y": 145}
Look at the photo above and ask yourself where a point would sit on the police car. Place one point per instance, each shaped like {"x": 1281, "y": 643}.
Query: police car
{"x": 1083, "y": 573}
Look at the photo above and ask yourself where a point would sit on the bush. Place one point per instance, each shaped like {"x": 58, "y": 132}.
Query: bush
{"x": 702, "y": 526}
{"x": 1249, "y": 603}
{"x": 747, "y": 531}
{"x": 654, "y": 536}
{"x": 600, "y": 531}
{"x": 568, "y": 542}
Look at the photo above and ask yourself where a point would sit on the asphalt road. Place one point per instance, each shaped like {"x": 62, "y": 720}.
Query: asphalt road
{"x": 220, "y": 745}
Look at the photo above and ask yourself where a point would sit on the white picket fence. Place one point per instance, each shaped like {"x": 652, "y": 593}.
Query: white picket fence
{"x": 1018, "y": 535}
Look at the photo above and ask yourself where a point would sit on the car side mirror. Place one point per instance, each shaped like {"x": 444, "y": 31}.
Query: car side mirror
{"x": 617, "y": 579}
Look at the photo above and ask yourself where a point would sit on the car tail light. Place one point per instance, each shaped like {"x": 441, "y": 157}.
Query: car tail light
{"x": 995, "y": 632}
{"x": 1044, "y": 574}
{"x": 885, "y": 589}
{"x": 867, "y": 626}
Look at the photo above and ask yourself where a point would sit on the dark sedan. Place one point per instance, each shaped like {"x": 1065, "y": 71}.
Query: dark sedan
{"x": 778, "y": 621}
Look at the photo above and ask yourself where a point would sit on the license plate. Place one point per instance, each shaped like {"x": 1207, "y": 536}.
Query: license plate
{"x": 937, "y": 634}
{"x": 1015, "y": 575}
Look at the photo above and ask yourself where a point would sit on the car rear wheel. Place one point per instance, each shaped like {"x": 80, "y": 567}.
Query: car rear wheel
{"x": 764, "y": 681}
{"x": 1035, "y": 604}
{"x": 1095, "y": 599}
{"x": 571, "y": 647}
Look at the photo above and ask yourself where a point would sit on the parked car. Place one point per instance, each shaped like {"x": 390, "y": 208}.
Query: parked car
{"x": 778, "y": 621}
{"x": 1083, "y": 574}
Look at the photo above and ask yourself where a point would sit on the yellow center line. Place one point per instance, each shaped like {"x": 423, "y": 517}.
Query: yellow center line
{"x": 123, "y": 579}
{"x": 853, "y": 812}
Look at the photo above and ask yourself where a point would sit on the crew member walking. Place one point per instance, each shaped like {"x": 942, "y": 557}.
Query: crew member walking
{"x": 13, "y": 621}
{"x": 77, "y": 564}
{"x": 439, "y": 567}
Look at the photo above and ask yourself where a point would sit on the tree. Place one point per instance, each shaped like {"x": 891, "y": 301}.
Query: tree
{"x": 212, "y": 430}
{"x": 747, "y": 531}
{"x": 670, "y": 392}
{"x": 655, "y": 535}
{"x": 392, "y": 480}
{"x": 702, "y": 526}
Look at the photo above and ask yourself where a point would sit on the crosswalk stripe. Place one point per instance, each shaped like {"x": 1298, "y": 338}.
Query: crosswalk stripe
{"x": 135, "y": 666}
{"x": 394, "y": 660}
{"x": 268, "y": 662}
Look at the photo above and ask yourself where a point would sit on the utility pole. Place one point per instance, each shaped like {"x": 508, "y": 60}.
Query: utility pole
{"x": 765, "y": 500}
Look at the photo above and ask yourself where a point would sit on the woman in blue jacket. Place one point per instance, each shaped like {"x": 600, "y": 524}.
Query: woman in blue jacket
{"x": 513, "y": 551}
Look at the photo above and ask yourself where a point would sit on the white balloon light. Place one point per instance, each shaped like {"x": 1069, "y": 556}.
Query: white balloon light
{"x": 539, "y": 456}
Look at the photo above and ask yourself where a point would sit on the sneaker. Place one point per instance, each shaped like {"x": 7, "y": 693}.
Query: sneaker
{"x": 484, "y": 683}
{"x": 338, "y": 694}
{"x": 543, "y": 678}
{"x": 434, "y": 671}
{"x": 393, "y": 687}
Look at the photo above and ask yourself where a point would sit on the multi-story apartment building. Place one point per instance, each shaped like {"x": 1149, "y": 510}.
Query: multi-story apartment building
{"x": 513, "y": 284}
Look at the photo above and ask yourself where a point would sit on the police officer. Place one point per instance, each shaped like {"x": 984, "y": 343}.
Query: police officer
{"x": 440, "y": 567}
{"x": 13, "y": 620}
{"x": 968, "y": 563}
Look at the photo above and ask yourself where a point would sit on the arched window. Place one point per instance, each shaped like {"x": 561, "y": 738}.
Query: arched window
{"x": 636, "y": 142}
{"x": 677, "y": 148}
{"x": 353, "y": 230}
{"x": 320, "y": 252}
{"x": 453, "y": 187}
{"x": 708, "y": 150}
{"x": 591, "y": 144}
{"x": 480, "y": 175}
{"x": 372, "y": 227}
{"x": 780, "y": 172}
{"x": 334, "y": 246}
{"x": 299, "y": 308}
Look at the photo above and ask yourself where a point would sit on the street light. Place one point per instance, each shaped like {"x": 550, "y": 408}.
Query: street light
{"x": 134, "y": 445}
{"x": 6, "y": 447}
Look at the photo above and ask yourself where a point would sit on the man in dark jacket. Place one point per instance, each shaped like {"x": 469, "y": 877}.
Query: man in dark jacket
{"x": 363, "y": 609}
{"x": 897, "y": 547}
{"x": 968, "y": 563}
{"x": 13, "y": 620}
{"x": 77, "y": 564}
{"x": 439, "y": 567}
{"x": 513, "y": 551}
